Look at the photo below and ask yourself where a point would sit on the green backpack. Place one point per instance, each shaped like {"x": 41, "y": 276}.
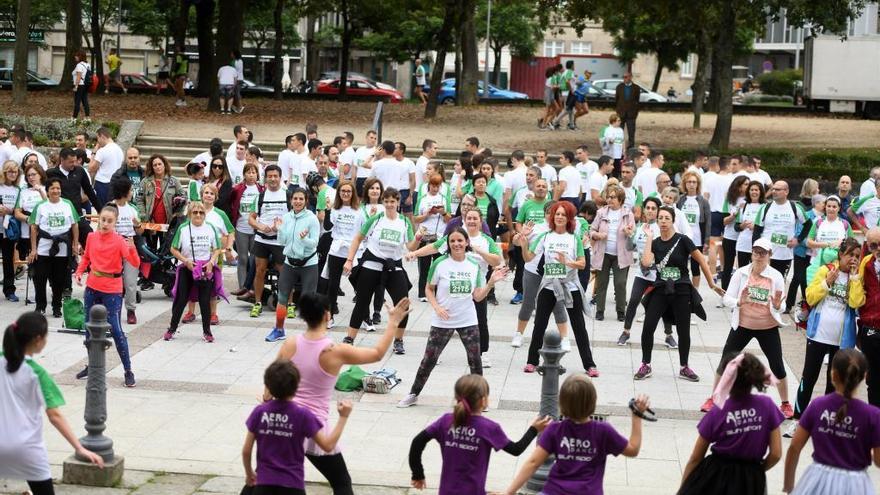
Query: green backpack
{"x": 351, "y": 379}
{"x": 73, "y": 314}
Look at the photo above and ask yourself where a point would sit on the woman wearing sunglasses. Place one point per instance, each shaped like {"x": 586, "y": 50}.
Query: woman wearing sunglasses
{"x": 219, "y": 177}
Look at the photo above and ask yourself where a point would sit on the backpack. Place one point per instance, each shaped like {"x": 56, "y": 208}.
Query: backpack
{"x": 381, "y": 381}
{"x": 351, "y": 379}
{"x": 73, "y": 314}
{"x": 767, "y": 209}
{"x": 288, "y": 193}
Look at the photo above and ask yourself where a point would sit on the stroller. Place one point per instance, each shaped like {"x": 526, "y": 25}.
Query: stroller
{"x": 158, "y": 266}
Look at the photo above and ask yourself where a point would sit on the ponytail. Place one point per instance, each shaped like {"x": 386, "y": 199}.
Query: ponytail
{"x": 850, "y": 367}
{"x": 19, "y": 335}
{"x": 469, "y": 392}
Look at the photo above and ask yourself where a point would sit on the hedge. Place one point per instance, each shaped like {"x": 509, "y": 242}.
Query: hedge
{"x": 780, "y": 82}
{"x": 796, "y": 164}
{"x": 56, "y": 132}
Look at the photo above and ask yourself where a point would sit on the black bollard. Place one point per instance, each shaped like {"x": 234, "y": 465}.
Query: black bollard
{"x": 550, "y": 369}
{"x": 96, "y": 386}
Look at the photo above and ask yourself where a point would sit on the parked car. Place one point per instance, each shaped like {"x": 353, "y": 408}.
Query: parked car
{"x": 359, "y": 87}
{"x": 248, "y": 88}
{"x": 35, "y": 81}
{"x": 610, "y": 85}
{"x": 135, "y": 82}
{"x": 447, "y": 93}
{"x": 596, "y": 94}
{"x": 334, "y": 74}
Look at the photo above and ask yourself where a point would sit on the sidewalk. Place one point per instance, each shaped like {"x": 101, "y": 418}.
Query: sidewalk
{"x": 187, "y": 413}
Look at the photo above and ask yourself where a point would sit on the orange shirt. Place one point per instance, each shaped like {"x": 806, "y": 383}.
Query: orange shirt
{"x": 755, "y": 313}
{"x": 105, "y": 252}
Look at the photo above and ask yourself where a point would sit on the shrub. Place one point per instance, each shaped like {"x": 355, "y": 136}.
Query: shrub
{"x": 753, "y": 99}
{"x": 780, "y": 82}
{"x": 56, "y": 131}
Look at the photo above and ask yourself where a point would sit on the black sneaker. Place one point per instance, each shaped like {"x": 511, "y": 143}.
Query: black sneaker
{"x": 347, "y": 340}
{"x": 377, "y": 318}
{"x": 129, "y": 379}
{"x": 82, "y": 375}
{"x": 492, "y": 300}
{"x": 621, "y": 316}
{"x": 398, "y": 346}
{"x": 600, "y": 315}
{"x": 56, "y": 313}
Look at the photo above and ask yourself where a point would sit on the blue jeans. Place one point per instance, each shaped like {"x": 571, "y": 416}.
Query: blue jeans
{"x": 113, "y": 303}
{"x": 102, "y": 191}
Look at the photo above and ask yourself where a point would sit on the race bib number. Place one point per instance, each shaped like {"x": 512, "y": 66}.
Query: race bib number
{"x": 389, "y": 236}
{"x": 691, "y": 218}
{"x": 838, "y": 291}
{"x": 759, "y": 294}
{"x": 554, "y": 270}
{"x": 55, "y": 221}
{"x": 779, "y": 239}
{"x": 828, "y": 236}
{"x": 670, "y": 273}
{"x": 460, "y": 288}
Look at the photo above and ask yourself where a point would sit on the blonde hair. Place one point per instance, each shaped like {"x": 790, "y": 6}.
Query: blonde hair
{"x": 193, "y": 205}
{"x": 810, "y": 188}
{"x": 613, "y": 118}
{"x": 687, "y": 175}
{"x": 209, "y": 187}
{"x": 672, "y": 191}
{"x": 10, "y": 165}
{"x": 615, "y": 190}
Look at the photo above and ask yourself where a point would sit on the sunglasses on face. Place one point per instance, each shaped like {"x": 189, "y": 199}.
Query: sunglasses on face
{"x": 217, "y": 165}
{"x": 198, "y": 212}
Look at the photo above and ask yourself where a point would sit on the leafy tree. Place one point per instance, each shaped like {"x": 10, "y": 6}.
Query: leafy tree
{"x": 154, "y": 19}
{"x": 515, "y": 24}
{"x": 43, "y": 14}
{"x": 260, "y": 29}
{"x": 19, "y": 76}
{"x": 443, "y": 44}
{"x": 466, "y": 85}
{"x": 409, "y": 30}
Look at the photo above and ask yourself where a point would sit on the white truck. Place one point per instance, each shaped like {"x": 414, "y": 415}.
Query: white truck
{"x": 843, "y": 75}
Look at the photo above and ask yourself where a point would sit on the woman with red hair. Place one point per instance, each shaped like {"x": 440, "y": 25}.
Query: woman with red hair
{"x": 561, "y": 255}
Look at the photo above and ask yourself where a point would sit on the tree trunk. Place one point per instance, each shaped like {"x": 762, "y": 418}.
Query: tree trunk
{"x": 712, "y": 101}
{"x": 657, "y": 74}
{"x": 97, "y": 56}
{"x": 231, "y": 18}
{"x": 258, "y": 54}
{"x": 73, "y": 41}
{"x": 724, "y": 57}
{"x": 470, "y": 70}
{"x": 181, "y": 24}
{"x": 344, "y": 51}
{"x": 699, "y": 88}
{"x": 313, "y": 65}
{"x": 458, "y": 70}
{"x": 279, "y": 48}
{"x": 207, "y": 78}
{"x": 444, "y": 39}
{"x": 19, "y": 71}
{"x": 496, "y": 66}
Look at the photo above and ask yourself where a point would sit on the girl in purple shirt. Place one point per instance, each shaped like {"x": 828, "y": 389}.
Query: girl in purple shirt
{"x": 580, "y": 444}
{"x": 739, "y": 429}
{"x": 466, "y": 440}
{"x": 845, "y": 433}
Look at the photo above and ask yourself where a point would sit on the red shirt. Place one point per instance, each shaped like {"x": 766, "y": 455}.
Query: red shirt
{"x": 159, "y": 213}
{"x": 105, "y": 252}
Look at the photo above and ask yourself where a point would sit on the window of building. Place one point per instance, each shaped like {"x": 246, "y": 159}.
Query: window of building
{"x": 688, "y": 67}
{"x": 581, "y": 48}
{"x": 553, "y": 48}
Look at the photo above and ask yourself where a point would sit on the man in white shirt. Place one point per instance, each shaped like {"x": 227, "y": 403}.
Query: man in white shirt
{"x": 472, "y": 145}
{"x": 600, "y": 178}
{"x": 384, "y": 166}
{"x": 867, "y": 187}
{"x": 25, "y": 148}
{"x": 215, "y": 147}
{"x": 548, "y": 172}
{"x": 645, "y": 148}
{"x": 289, "y": 158}
{"x": 241, "y": 133}
{"x": 586, "y": 167}
{"x": 81, "y": 141}
{"x": 716, "y": 182}
{"x": 107, "y": 159}
{"x": 777, "y": 222}
{"x": 308, "y": 162}
{"x": 236, "y": 163}
{"x": 361, "y": 167}
{"x": 346, "y": 155}
{"x": 633, "y": 198}
{"x": 228, "y": 78}
{"x": 406, "y": 180}
{"x": 646, "y": 178}
{"x": 6, "y": 146}
{"x": 568, "y": 187}
{"x": 763, "y": 176}
{"x": 429, "y": 151}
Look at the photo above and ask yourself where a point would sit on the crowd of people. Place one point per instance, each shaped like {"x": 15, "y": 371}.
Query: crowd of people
{"x": 323, "y": 212}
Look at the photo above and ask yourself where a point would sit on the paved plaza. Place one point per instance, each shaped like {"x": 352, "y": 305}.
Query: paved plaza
{"x": 187, "y": 414}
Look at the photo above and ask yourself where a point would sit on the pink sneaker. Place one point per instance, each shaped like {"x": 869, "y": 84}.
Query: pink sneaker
{"x": 168, "y": 335}
{"x": 209, "y": 338}
{"x": 215, "y": 320}
{"x": 707, "y": 406}
{"x": 787, "y": 410}
{"x": 530, "y": 368}
{"x": 188, "y": 318}
{"x": 593, "y": 373}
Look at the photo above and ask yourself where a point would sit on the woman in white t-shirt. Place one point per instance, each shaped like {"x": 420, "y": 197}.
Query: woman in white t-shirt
{"x": 128, "y": 225}
{"x": 197, "y": 247}
{"x": 387, "y": 237}
{"x": 733, "y": 203}
{"x": 455, "y": 278}
{"x": 9, "y": 192}
{"x": 31, "y": 195}
{"x": 698, "y": 215}
{"x": 830, "y": 231}
{"x": 345, "y": 218}
{"x": 243, "y": 196}
{"x": 370, "y": 207}
{"x": 431, "y": 213}
{"x": 80, "y": 86}
{"x": 745, "y": 222}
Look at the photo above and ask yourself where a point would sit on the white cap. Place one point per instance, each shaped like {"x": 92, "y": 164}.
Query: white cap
{"x": 763, "y": 244}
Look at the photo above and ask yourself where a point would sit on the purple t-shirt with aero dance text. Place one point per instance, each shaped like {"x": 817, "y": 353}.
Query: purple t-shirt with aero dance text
{"x": 846, "y": 444}
{"x": 280, "y": 428}
{"x": 465, "y": 451}
{"x": 741, "y": 428}
{"x": 580, "y": 451}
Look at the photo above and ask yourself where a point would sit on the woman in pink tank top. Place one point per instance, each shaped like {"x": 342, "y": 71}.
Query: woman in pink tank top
{"x": 319, "y": 361}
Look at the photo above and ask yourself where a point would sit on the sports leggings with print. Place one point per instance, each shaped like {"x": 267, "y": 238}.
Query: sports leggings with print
{"x": 437, "y": 340}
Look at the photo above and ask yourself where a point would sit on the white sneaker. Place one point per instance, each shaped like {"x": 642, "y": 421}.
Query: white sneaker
{"x": 517, "y": 340}
{"x": 423, "y": 299}
{"x": 693, "y": 323}
{"x": 566, "y": 345}
{"x": 331, "y": 323}
{"x": 485, "y": 360}
{"x": 789, "y": 432}
{"x": 409, "y": 400}
{"x": 641, "y": 318}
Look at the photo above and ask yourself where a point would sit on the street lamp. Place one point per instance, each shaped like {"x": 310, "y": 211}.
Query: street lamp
{"x": 486, "y": 61}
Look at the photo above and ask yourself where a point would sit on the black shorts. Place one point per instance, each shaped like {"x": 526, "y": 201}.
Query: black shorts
{"x": 405, "y": 208}
{"x": 717, "y": 224}
{"x": 267, "y": 251}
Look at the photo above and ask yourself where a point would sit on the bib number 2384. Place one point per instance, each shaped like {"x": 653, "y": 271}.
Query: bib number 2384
{"x": 670, "y": 273}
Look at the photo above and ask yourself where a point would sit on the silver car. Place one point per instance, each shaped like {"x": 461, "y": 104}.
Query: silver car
{"x": 610, "y": 85}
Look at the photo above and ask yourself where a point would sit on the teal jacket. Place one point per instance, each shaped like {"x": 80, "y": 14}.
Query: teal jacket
{"x": 294, "y": 246}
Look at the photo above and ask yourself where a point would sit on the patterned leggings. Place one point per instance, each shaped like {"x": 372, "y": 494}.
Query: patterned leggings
{"x": 437, "y": 340}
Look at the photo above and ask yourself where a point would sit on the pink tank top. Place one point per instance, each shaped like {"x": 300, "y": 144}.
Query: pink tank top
{"x": 315, "y": 385}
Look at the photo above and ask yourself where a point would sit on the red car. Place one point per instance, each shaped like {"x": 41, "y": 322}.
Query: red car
{"x": 358, "y": 87}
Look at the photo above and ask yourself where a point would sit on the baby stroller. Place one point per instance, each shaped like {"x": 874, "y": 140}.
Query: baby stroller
{"x": 158, "y": 266}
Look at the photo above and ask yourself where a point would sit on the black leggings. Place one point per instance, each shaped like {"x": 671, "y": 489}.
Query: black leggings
{"x": 333, "y": 469}
{"x": 743, "y": 258}
{"x": 397, "y": 285}
{"x": 728, "y": 247}
{"x": 271, "y": 490}
{"x": 205, "y": 290}
{"x": 55, "y": 270}
{"x": 334, "y": 275}
{"x": 516, "y": 259}
{"x": 660, "y": 304}
{"x": 41, "y": 487}
{"x": 639, "y": 287}
{"x": 870, "y": 347}
{"x": 424, "y": 266}
{"x": 771, "y": 345}
{"x": 781, "y": 266}
{"x": 798, "y": 279}
{"x": 546, "y": 303}
{"x": 81, "y": 97}
{"x": 813, "y": 358}
{"x": 482, "y": 324}
{"x": 8, "y": 249}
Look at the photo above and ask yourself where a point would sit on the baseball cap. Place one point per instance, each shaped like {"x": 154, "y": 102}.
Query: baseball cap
{"x": 763, "y": 244}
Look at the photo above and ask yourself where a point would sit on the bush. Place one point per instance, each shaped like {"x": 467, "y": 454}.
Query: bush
{"x": 56, "y": 132}
{"x": 780, "y": 82}
{"x": 759, "y": 98}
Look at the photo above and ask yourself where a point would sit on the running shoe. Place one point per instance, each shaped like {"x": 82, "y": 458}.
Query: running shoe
{"x": 621, "y": 317}
{"x": 644, "y": 372}
{"x": 82, "y": 375}
{"x": 789, "y": 432}
{"x": 786, "y": 409}
{"x": 517, "y": 298}
{"x": 686, "y": 373}
{"x": 398, "y": 347}
{"x": 593, "y": 373}
{"x": 239, "y": 292}
{"x": 208, "y": 337}
{"x": 492, "y": 300}
{"x": 670, "y": 342}
{"x": 517, "y": 340}
{"x": 12, "y": 298}
{"x": 169, "y": 334}
{"x": 129, "y": 379}
{"x": 600, "y": 316}
{"x": 423, "y": 299}
{"x": 368, "y": 325}
{"x": 215, "y": 320}
{"x": 188, "y": 318}
{"x": 348, "y": 340}
{"x": 377, "y": 318}
{"x": 248, "y": 297}
{"x": 409, "y": 400}
{"x": 623, "y": 339}
{"x": 256, "y": 309}
{"x": 530, "y": 368}
{"x": 708, "y": 405}
{"x": 275, "y": 335}
{"x": 566, "y": 344}
{"x": 484, "y": 359}
{"x": 291, "y": 311}
{"x": 331, "y": 323}
{"x": 131, "y": 317}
